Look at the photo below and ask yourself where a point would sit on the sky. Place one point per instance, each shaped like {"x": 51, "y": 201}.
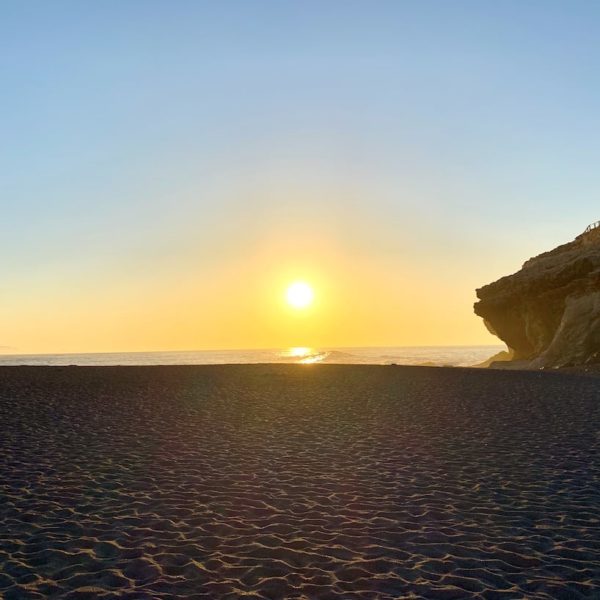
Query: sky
{"x": 167, "y": 168}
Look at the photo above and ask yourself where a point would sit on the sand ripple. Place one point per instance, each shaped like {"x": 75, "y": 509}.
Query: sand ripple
{"x": 274, "y": 482}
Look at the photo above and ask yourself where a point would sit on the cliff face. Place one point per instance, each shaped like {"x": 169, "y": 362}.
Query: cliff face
{"x": 548, "y": 313}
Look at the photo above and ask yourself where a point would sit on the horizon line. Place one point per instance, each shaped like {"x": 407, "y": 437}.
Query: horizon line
{"x": 277, "y": 348}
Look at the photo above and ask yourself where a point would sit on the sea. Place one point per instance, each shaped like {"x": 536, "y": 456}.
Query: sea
{"x": 455, "y": 356}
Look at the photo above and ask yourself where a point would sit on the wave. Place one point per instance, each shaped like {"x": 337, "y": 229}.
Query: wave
{"x": 330, "y": 356}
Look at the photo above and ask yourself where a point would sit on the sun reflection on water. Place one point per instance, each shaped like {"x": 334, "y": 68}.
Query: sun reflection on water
{"x": 303, "y": 355}
{"x": 313, "y": 358}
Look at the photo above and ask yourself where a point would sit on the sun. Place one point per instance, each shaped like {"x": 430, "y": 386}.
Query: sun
{"x": 299, "y": 295}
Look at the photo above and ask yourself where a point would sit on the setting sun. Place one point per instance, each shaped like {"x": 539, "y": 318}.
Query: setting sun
{"x": 299, "y": 295}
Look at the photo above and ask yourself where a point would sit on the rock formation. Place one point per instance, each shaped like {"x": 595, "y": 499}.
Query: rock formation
{"x": 548, "y": 313}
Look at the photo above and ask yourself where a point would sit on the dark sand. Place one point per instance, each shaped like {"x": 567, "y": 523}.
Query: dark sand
{"x": 294, "y": 481}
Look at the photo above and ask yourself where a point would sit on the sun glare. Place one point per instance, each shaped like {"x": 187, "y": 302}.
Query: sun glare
{"x": 299, "y": 352}
{"x": 299, "y": 295}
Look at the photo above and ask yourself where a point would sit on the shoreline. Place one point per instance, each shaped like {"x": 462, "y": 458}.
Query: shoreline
{"x": 579, "y": 370}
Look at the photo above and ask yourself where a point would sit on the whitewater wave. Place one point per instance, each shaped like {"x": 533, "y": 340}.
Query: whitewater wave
{"x": 330, "y": 356}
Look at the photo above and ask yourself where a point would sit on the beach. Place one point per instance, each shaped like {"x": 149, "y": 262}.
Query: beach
{"x": 298, "y": 481}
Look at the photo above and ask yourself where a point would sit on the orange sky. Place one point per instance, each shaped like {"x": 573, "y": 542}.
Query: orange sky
{"x": 239, "y": 302}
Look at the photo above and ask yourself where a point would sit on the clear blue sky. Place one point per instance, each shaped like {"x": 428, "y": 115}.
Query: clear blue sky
{"x": 148, "y": 137}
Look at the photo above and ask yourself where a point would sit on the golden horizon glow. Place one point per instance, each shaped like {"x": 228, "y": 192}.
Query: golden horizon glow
{"x": 241, "y": 303}
{"x": 299, "y": 295}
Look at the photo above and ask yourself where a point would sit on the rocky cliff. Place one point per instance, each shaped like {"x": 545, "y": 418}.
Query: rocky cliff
{"x": 548, "y": 313}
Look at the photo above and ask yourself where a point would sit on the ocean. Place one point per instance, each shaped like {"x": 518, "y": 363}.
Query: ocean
{"x": 463, "y": 356}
